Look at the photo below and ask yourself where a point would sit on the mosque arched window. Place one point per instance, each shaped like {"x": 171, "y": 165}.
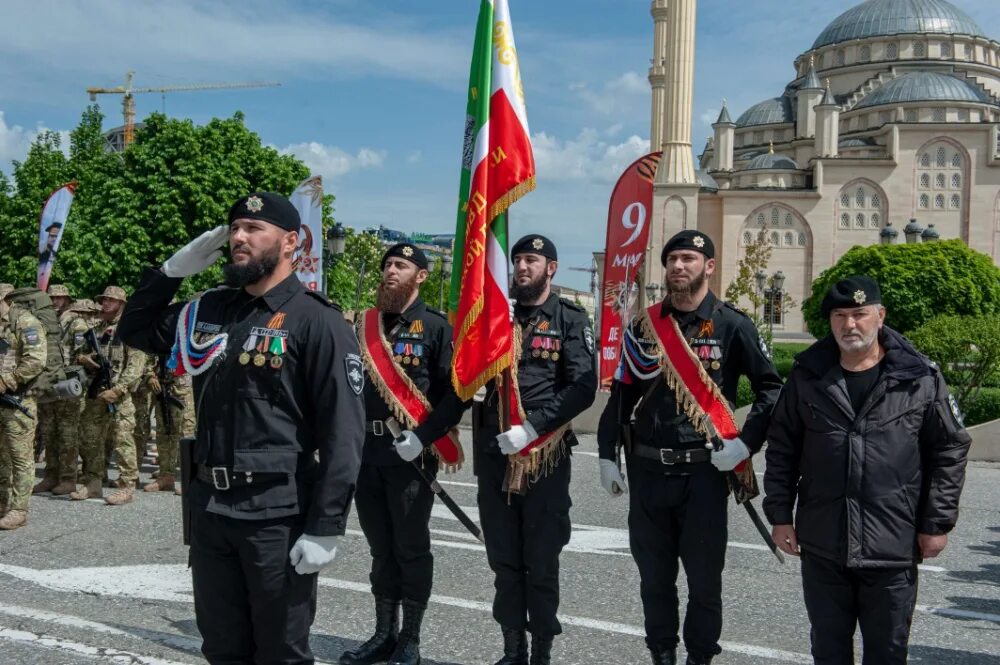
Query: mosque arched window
{"x": 845, "y": 200}
{"x": 942, "y": 157}
{"x": 918, "y": 50}
{"x": 910, "y": 115}
{"x": 956, "y": 202}
{"x": 875, "y": 221}
{"x": 939, "y": 181}
{"x": 747, "y": 238}
{"x": 925, "y": 180}
{"x": 789, "y": 220}
{"x": 859, "y": 197}
{"x": 841, "y": 57}
{"x": 865, "y": 202}
{"x": 845, "y": 221}
{"x": 939, "y": 115}
{"x": 775, "y": 239}
{"x": 775, "y": 216}
{"x": 859, "y": 221}
{"x": 956, "y": 161}
{"x": 946, "y": 50}
{"x": 792, "y": 234}
{"x": 802, "y": 240}
{"x": 939, "y": 201}
{"x": 891, "y": 51}
{"x": 925, "y": 201}
{"x": 789, "y": 240}
{"x": 925, "y": 159}
{"x": 956, "y": 180}
{"x": 947, "y": 173}
{"x": 866, "y": 54}
{"x": 760, "y": 219}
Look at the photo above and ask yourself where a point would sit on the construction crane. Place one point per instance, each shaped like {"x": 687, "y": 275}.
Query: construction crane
{"x": 128, "y": 100}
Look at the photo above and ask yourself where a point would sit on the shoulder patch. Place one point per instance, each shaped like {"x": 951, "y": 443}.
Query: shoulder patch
{"x": 354, "y": 370}
{"x": 572, "y": 305}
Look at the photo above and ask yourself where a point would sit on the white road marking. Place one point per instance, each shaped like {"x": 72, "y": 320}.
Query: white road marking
{"x": 959, "y": 614}
{"x": 457, "y": 483}
{"x": 585, "y": 452}
{"x": 103, "y": 654}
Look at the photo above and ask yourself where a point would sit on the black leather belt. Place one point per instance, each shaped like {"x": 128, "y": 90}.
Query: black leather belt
{"x": 223, "y": 478}
{"x": 669, "y": 457}
{"x": 377, "y": 427}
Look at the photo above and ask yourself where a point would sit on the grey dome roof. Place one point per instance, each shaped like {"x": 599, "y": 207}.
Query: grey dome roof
{"x": 866, "y": 142}
{"x": 767, "y": 112}
{"x": 878, "y": 18}
{"x": 772, "y": 162}
{"x": 926, "y": 87}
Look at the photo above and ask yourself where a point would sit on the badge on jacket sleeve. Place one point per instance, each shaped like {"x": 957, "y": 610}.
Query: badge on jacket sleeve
{"x": 588, "y": 338}
{"x": 355, "y": 372}
{"x": 955, "y": 411}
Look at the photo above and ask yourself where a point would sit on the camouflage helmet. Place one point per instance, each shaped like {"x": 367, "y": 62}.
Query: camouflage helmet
{"x": 85, "y": 306}
{"x": 5, "y": 289}
{"x": 58, "y": 291}
{"x": 113, "y": 292}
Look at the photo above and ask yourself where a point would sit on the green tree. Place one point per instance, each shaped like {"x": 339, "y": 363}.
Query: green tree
{"x": 354, "y": 276}
{"x": 966, "y": 348}
{"x": 918, "y": 282}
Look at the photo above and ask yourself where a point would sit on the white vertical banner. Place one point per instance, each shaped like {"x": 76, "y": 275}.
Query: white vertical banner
{"x": 308, "y": 261}
{"x": 50, "y": 230}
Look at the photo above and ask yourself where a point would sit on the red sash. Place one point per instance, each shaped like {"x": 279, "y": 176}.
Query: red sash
{"x": 697, "y": 394}
{"x": 405, "y": 401}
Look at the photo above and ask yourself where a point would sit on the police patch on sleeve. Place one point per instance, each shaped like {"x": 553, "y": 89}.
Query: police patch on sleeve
{"x": 955, "y": 411}
{"x": 355, "y": 372}
{"x": 31, "y": 336}
{"x": 588, "y": 339}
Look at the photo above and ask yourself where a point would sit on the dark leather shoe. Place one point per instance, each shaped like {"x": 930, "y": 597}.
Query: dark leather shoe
{"x": 381, "y": 645}
{"x": 695, "y": 660}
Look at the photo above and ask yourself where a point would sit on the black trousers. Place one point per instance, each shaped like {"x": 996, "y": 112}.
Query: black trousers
{"x": 671, "y": 518}
{"x": 250, "y": 604}
{"x": 524, "y": 536}
{"x": 880, "y": 600}
{"x": 394, "y": 508}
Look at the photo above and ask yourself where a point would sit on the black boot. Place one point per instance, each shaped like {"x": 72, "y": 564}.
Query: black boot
{"x": 541, "y": 650}
{"x": 515, "y": 647}
{"x": 695, "y": 660}
{"x": 408, "y": 645}
{"x": 664, "y": 656}
{"x": 381, "y": 645}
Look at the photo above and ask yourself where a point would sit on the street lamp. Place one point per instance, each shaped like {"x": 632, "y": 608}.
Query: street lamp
{"x": 930, "y": 234}
{"x": 445, "y": 267}
{"x": 912, "y": 231}
{"x": 651, "y": 290}
{"x": 336, "y": 240}
{"x": 888, "y": 234}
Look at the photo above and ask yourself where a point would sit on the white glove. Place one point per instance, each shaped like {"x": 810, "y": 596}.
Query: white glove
{"x": 408, "y": 446}
{"x": 198, "y": 254}
{"x": 733, "y": 452}
{"x": 311, "y": 554}
{"x": 611, "y": 478}
{"x": 510, "y": 306}
{"x": 516, "y": 438}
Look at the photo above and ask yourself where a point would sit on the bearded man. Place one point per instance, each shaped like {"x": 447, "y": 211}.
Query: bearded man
{"x": 278, "y": 382}
{"x": 867, "y": 449}
{"x": 692, "y": 341}
{"x": 406, "y": 347}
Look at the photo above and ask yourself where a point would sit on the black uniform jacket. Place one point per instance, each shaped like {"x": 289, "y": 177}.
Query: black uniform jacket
{"x": 727, "y": 342}
{"x": 866, "y": 482}
{"x": 420, "y": 338}
{"x": 556, "y": 375}
{"x": 268, "y": 419}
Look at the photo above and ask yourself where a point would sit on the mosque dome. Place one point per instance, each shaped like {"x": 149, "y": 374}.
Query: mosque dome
{"x": 881, "y": 18}
{"x": 926, "y": 87}
{"x": 767, "y": 112}
{"x": 772, "y": 162}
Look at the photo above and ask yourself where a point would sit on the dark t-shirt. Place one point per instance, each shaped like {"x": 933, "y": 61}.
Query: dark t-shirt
{"x": 859, "y": 384}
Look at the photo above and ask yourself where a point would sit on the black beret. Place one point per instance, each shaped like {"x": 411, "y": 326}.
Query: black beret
{"x": 408, "y": 251}
{"x": 695, "y": 240}
{"x": 852, "y": 292}
{"x": 267, "y": 207}
{"x": 534, "y": 244}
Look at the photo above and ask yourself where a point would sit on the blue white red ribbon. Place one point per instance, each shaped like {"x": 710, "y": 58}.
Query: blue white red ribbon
{"x": 189, "y": 356}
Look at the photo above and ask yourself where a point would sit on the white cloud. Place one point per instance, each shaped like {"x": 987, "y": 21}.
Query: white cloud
{"x": 616, "y": 96}
{"x": 332, "y": 162}
{"x": 15, "y": 141}
{"x": 587, "y": 157}
{"x": 414, "y": 157}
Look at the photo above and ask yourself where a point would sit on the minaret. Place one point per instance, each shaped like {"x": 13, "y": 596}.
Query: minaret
{"x": 827, "y": 125}
{"x": 725, "y": 132}
{"x": 657, "y": 73}
{"x": 677, "y": 163}
{"x": 808, "y": 95}
{"x": 676, "y": 186}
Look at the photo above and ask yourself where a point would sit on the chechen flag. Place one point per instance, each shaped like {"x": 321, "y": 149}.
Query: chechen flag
{"x": 498, "y": 167}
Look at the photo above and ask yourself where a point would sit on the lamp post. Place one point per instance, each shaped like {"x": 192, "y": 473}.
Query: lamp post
{"x": 336, "y": 241}
{"x": 760, "y": 281}
{"x": 771, "y": 289}
{"x": 913, "y": 231}
{"x": 652, "y": 289}
{"x": 930, "y": 234}
{"x": 777, "y": 295}
{"x": 888, "y": 234}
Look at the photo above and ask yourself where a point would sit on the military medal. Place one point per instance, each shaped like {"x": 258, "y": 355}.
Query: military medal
{"x": 276, "y": 362}
{"x": 716, "y": 364}
{"x": 535, "y": 353}
{"x": 418, "y": 350}
{"x": 416, "y": 361}
{"x": 398, "y": 358}
{"x": 555, "y": 355}
{"x": 259, "y": 360}
{"x": 247, "y": 348}
{"x": 244, "y": 358}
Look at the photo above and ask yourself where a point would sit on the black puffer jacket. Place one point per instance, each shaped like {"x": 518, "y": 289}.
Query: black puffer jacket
{"x": 867, "y": 483}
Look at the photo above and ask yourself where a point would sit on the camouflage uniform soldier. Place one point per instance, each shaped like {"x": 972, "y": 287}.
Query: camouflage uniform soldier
{"x": 4, "y": 459}
{"x": 142, "y": 398}
{"x": 22, "y": 359}
{"x": 168, "y": 443}
{"x": 97, "y": 423}
{"x": 59, "y": 421}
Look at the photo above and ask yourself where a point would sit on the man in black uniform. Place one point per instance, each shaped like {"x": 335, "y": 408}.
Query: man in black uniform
{"x": 526, "y": 532}
{"x": 867, "y": 447}
{"x": 679, "y": 498}
{"x": 394, "y": 503}
{"x": 278, "y": 379}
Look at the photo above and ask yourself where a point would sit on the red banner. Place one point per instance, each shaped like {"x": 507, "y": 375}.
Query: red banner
{"x": 628, "y": 234}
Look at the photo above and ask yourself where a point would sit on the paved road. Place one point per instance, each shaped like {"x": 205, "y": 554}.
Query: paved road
{"x": 85, "y": 583}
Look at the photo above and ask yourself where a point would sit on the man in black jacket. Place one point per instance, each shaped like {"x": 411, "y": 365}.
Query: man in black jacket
{"x": 867, "y": 438}
{"x": 277, "y": 379}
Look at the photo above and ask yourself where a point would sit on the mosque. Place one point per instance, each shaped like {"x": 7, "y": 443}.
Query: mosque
{"x": 892, "y": 116}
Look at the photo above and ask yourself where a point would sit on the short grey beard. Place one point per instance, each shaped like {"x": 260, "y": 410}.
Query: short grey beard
{"x": 857, "y": 347}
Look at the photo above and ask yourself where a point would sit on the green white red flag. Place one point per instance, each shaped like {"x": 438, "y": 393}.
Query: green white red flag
{"x": 498, "y": 168}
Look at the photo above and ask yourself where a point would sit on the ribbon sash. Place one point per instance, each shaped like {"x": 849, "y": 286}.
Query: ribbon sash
{"x": 697, "y": 394}
{"x": 405, "y": 400}
{"x": 517, "y": 414}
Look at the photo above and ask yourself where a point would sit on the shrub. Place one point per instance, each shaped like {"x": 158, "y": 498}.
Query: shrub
{"x": 984, "y": 408}
{"x": 967, "y": 348}
{"x": 918, "y": 282}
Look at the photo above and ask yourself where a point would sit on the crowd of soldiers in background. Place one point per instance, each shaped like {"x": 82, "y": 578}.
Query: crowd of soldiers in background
{"x": 127, "y": 399}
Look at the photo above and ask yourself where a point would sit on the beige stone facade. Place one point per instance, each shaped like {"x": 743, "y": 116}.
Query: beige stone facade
{"x": 877, "y": 129}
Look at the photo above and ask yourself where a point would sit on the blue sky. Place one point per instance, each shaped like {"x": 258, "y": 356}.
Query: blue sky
{"x": 373, "y": 91}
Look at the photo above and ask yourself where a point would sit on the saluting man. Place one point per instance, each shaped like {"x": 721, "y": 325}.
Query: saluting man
{"x": 278, "y": 379}
{"x": 692, "y": 341}
{"x": 407, "y": 351}
{"x": 526, "y": 529}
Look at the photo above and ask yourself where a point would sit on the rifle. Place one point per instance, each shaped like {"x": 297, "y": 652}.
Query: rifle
{"x": 103, "y": 380}
{"x": 11, "y": 402}
{"x": 167, "y": 399}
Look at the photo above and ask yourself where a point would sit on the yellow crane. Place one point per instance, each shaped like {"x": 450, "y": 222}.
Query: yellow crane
{"x": 128, "y": 100}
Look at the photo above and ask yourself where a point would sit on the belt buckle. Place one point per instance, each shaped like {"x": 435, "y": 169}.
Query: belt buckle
{"x": 217, "y": 473}
{"x": 663, "y": 457}
{"x": 377, "y": 428}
